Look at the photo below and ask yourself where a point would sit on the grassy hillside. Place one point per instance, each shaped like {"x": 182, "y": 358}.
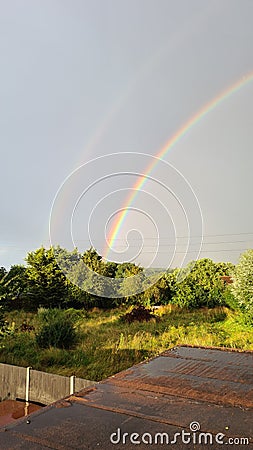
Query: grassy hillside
{"x": 107, "y": 345}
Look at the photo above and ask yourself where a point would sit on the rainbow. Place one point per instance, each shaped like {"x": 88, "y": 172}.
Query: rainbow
{"x": 118, "y": 222}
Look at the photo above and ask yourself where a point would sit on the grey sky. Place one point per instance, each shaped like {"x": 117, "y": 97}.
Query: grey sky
{"x": 82, "y": 79}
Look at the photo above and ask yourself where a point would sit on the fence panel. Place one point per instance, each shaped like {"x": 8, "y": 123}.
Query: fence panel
{"x": 81, "y": 383}
{"x": 12, "y": 381}
{"x": 47, "y": 387}
{"x": 44, "y": 387}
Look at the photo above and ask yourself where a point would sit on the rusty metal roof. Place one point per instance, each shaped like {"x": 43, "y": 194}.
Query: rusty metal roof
{"x": 181, "y": 390}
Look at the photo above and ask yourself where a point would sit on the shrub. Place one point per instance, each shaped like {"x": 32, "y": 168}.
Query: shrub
{"x": 202, "y": 286}
{"x": 243, "y": 284}
{"x": 56, "y": 329}
{"x": 140, "y": 314}
{"x": 230, "y": 299}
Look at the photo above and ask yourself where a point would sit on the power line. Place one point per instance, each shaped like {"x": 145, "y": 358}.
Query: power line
{"x": 173, "y": 245}
{"x": 12, "y": 244}
{"x": 201, "y": 251}
{"x": 178, "y": 237}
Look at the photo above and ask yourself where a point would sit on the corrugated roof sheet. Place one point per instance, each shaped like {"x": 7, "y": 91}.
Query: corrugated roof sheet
{"x": 211, "y": 388}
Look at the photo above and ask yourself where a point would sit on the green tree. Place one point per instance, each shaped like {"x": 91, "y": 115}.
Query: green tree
{"x": 46, "y": 281}
{"x": 97, "y": 278}
{"x": 72, "y": 266}
{"x": 3, "y": 272}
{"x": 203, "y": 285}
{"x": 15, "y": 287}
{"x": 159, "y": 293}
{"x": 3, "y": 276}
{"x": 94, "y": 261}
{"x": 242, "y": 287}
{"x": 111, "y": 269}
{"x": 87, "y": 277}
{"x": 130, "y": 283}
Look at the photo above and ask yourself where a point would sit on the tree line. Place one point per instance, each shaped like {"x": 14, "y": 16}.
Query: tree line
{"x": 41, "y": 283}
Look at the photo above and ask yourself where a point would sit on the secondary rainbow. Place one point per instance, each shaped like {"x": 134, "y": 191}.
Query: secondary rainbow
{"x": 117, "y": 224}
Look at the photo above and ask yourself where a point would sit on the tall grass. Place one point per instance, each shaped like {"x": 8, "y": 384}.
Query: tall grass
{"x": 107, "y": 345}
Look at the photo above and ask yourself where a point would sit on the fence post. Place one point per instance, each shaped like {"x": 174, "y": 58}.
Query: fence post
{"x": 72, "y": 384}
{"x": 27, "y": 386}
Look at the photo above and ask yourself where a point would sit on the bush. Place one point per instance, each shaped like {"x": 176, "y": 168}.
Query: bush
{"x": 243, "y": 284}
{"x": 56, "y": 329}
{"x": 202, "y": 287}
{"x": 5, "y": 329}
{"x": 229, "y": 299}
{"x": 140, "y": 314}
